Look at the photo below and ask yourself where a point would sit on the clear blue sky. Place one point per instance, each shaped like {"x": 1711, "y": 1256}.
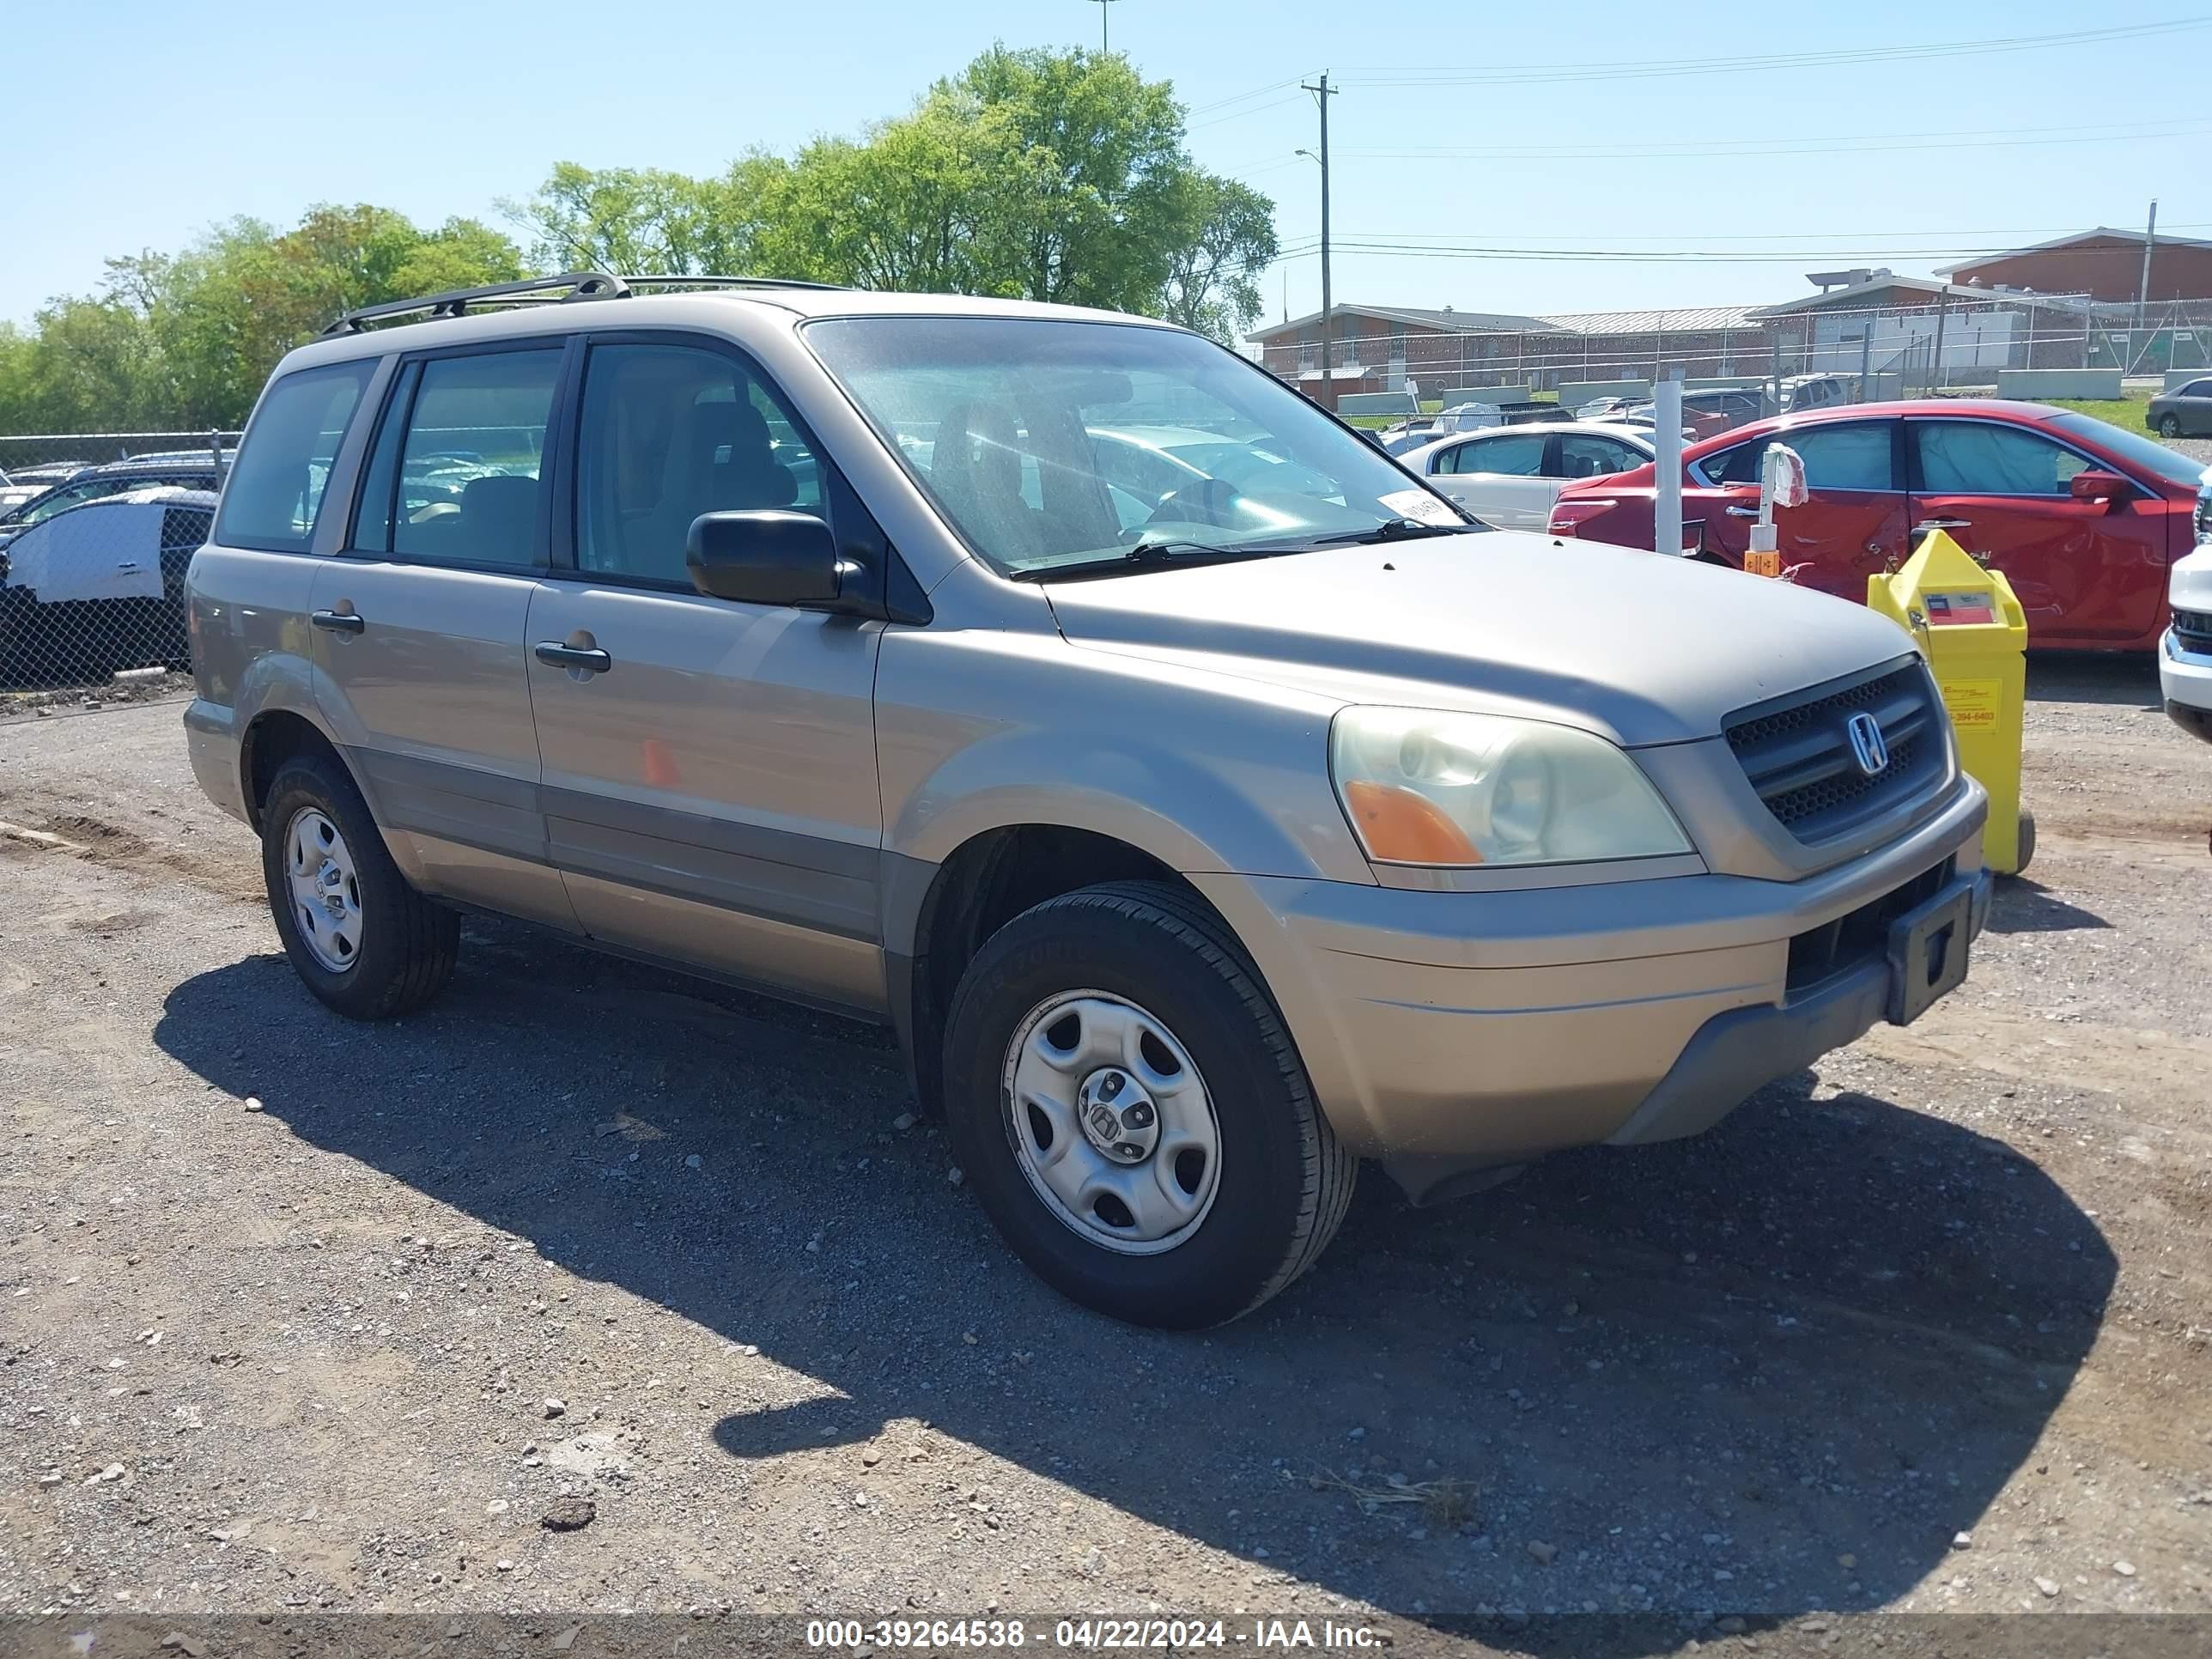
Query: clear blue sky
{"x": 136, "y": 124}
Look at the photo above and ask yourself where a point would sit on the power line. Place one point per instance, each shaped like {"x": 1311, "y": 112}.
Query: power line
{"x": 1852, "y": 144}
{"x": 1671, "y": 257}
{"x": 1422, "y": 75}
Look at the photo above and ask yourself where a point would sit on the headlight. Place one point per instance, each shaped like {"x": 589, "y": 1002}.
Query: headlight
{"x": 1424, "y": 787}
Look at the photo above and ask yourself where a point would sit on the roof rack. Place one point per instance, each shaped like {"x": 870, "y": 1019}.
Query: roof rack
{"x": 541, "y": 290}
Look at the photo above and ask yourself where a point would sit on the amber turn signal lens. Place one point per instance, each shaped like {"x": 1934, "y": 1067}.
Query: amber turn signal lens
{"x": 1400, "y": 827}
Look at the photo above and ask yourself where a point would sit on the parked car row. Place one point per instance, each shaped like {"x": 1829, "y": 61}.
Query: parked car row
{"x": 90, "y": 483}
{"x": 2082, "y": 517}
{"x": 1510, "y": 478}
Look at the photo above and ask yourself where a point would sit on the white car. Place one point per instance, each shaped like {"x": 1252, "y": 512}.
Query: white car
{"x": 2185, "y": 655}
{"x": 101, "y": 587}
{"x": 1508, "y": 477}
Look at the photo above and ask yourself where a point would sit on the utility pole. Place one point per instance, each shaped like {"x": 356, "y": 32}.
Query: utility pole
{"x": 2142, "y": 293}
{"x": 1103, "y": 49}
{"x": 1323, "y": 95}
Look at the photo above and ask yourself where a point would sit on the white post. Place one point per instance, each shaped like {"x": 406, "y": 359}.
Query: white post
{"x": 1667, "y": 438}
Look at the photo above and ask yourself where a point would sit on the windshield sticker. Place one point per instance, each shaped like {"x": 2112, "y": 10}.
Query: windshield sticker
{"x": 1418, "y": 506}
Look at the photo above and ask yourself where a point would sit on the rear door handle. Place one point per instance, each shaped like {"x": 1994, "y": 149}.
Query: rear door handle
{"x": 128, "y": 564}
{"x": 555, "y": 655}
{"x": 339, "y": 622}
{"x": 1942, "y": 524}
{"x": 1743, "y": 513}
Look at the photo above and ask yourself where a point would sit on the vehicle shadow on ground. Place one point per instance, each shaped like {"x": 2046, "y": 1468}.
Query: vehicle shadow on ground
{"x": 2128, "y": 679}
{"x": 2024, "y": 906}
{"x": 1772, "y": 1370}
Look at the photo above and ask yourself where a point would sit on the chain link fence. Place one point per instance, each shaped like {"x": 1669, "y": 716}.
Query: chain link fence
{"x": 96, "y": 530}
{"x": 1915, "y": 346}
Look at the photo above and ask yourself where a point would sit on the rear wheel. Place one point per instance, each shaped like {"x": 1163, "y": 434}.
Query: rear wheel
{"x": 1131, "y": 1113}
{"x": 2169, "y": 426}
{"x": 357, "y": 933}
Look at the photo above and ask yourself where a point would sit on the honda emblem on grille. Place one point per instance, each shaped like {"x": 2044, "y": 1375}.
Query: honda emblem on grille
{"x": 1868, "y": 747}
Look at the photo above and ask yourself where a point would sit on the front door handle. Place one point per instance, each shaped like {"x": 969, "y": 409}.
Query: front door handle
{"x": 1926, "y": 524}
{"x": 1743, "y": 512}
{"x": 339, "y": 622}
{"x": 555, "y": 655}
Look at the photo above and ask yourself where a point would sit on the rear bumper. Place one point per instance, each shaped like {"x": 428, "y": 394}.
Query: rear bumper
{"x": 212, "y": 741}
{"x": 1449, "y": 1031}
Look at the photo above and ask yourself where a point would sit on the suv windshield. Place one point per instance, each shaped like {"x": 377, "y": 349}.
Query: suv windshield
{"x": 1049, "y": 445}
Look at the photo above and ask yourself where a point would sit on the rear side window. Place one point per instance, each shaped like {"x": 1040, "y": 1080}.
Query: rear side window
{"x": 1586, "y": 455}
{"x": 284, "y": 465}
{"x": 1851, "y": 456}
{"x": 454, "y": 477}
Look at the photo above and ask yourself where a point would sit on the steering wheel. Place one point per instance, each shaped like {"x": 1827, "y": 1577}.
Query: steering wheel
{"x": 1202, "y": 500}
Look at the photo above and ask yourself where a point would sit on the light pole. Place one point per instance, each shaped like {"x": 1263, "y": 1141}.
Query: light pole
{"x": 1323, "y": 94}
{"x": 1328, "y": 323}
{"x": 1103, "y": 49}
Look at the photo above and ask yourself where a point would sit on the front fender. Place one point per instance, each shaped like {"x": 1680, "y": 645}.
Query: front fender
{"x": 1204, "y": 772}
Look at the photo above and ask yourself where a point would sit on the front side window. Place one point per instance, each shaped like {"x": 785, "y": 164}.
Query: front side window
{"x": 1047, "y": 444}
{"x": 668, "y": 433}
{"x": 277, "y": 484}
{"x": 470, "y": 443}
{"x": 1585, "y": 455}
{"x": 1981, "y": 457}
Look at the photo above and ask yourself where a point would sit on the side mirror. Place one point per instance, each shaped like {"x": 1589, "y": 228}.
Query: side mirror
{"x": 2095, "y": 486}
{"x": 771, "y": 556}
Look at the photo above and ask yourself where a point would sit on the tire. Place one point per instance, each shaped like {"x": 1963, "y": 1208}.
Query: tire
{"x": 1269, "y": 1197}
{"x": 2169, "y": 426}
{"x": 405, "y": 944}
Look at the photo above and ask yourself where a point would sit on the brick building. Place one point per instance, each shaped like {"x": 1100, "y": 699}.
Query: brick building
{"x": 2100, "y": 264}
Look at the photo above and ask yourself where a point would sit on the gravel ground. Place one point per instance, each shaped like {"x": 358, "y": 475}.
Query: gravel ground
{"x": 591, "y": 1289}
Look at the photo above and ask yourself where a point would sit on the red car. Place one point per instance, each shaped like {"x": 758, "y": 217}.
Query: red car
{"x": 2082, "y": 517}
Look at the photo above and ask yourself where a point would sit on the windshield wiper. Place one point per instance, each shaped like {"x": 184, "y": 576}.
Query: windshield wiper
{"x": 1144, "y": 556}
{"x": 1390, "y": 530}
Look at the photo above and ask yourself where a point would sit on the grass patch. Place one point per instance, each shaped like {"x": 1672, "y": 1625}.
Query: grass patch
{"x": 2128, "y": 412}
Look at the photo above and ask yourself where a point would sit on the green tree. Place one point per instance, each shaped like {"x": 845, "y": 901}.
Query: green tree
{"x": 1226, "y": 242}
{"x": 1085, "y": 173}
{"x": 186, "y": 340}
{"x": 638, "y": 222}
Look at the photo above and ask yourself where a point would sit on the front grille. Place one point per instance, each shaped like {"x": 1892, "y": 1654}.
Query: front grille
{"x": 1797, "y": 753}
{"x": 2192, "y": 631}
{"x": 1848, "y": 941}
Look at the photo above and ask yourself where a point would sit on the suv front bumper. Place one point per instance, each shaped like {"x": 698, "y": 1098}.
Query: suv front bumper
{"x": 1449, "y": 1032}
{"x": 2184, "y": 679}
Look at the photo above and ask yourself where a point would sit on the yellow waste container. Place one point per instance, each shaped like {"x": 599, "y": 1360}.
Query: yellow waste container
{"x": 1975, "y": 634}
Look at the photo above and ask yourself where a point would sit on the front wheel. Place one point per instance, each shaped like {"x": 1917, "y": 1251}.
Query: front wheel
{"x": 1133, "y": 1114}
{"x": 2169, "y": 426}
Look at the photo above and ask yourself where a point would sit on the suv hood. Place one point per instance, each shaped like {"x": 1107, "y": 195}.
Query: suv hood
{"x": 1639, "y": 648}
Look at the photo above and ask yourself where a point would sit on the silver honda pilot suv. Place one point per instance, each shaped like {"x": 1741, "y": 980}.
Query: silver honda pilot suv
{"x": 1205, "y": 801}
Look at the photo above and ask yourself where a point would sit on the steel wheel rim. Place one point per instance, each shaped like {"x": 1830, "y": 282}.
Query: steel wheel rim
{"x": 324, "y": 890}
{"x": 1059, "y": 1077}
